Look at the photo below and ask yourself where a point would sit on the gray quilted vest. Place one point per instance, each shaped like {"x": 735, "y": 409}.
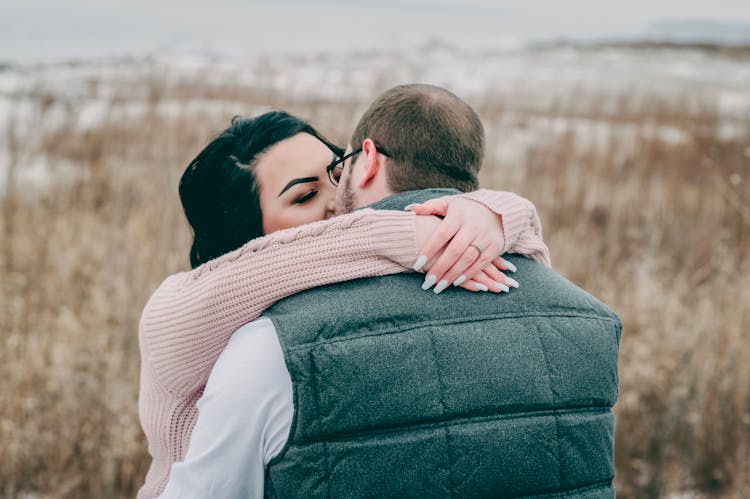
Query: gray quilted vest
{"x": 400, "y": 392}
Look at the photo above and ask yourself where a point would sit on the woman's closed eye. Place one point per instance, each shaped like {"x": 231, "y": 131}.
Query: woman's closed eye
{"x": 306, "y": 197}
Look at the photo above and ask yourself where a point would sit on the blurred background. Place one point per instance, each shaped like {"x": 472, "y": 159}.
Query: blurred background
{"x": 627, "y": 125}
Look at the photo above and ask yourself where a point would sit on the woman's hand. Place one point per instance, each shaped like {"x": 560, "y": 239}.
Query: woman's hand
{"x": 463, "y": 249}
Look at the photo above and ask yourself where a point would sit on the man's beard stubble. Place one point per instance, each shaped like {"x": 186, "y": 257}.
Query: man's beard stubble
{"x": 346, "y": 200}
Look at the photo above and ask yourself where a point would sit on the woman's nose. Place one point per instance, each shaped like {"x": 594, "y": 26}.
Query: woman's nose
{"x": 331, "y": 206}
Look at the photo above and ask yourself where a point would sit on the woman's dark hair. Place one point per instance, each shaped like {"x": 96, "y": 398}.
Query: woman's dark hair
{"x": 218, "y": 190}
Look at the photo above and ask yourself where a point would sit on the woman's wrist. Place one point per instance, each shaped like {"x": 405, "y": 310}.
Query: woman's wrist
{"x": 394, "y": 236}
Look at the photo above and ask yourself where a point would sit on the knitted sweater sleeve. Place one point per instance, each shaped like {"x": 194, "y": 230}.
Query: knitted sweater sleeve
{"x": 521, "y": 225}
{"x": 188, "y": 320}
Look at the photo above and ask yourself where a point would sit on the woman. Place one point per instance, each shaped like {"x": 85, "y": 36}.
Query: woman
{"x": 269, "y": 175}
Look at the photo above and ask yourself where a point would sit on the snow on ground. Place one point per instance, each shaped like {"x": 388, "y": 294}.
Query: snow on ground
{"x": 541, "y": 72}
{"x": 546, "y": 89}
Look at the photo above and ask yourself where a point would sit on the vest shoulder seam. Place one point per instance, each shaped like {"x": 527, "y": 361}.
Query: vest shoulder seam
{"x": 440, "y": 322}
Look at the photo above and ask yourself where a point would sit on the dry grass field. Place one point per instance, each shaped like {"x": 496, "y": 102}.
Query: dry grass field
{"x": 644, "y": 193}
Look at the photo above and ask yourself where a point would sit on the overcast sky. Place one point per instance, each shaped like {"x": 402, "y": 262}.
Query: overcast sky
{"x": 51, "y": 29}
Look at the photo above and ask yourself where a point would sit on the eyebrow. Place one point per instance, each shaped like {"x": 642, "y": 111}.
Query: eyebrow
{"x": 297, "y": 181}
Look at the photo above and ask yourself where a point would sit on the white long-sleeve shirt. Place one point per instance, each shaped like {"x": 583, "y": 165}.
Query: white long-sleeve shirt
{"x": 245, "y": 415}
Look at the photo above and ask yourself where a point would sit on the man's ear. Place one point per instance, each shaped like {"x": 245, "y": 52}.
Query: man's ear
{"x": 372, "y": 163}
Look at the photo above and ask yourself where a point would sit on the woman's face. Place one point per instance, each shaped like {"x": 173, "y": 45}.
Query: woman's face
{"x": 294, "y": 185}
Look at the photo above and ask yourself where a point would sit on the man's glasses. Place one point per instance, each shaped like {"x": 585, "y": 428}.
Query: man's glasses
{"x": 336, "y": 167}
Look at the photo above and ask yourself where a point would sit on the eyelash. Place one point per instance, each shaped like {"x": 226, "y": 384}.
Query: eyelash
{"x": 307, "y": 197}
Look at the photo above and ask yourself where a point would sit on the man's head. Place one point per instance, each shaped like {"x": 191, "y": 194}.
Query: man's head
{"x": 412, "y": 137}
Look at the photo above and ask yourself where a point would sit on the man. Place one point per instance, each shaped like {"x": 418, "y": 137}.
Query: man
{"x": 366, "y": 388}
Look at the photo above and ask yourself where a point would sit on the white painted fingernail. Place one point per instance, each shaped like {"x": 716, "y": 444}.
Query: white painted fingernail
{"x": 420, "y": 263}
{"x": 501, "y": 287}
{"x": 481, "y": 287}
{"x": 511, "y": 282}
{"x": 440, "y": 286}
{"x": 460, "y": 280}
{"x": 508, "y": 265}
{"x": 408, "y": 207}
{"x": 431, "y": 279}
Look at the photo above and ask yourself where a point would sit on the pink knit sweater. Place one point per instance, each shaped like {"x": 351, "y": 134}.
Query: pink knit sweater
{"x": 188, "y": 320}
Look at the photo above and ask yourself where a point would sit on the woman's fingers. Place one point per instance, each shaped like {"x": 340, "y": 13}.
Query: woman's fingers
{"x": 443, "y": 234}
{"x": 472, "y": 285}
{"x": 472, "y": 271}
{"x": 482, "y": 282}
{"x": 437, "y": 206}
{"x": 490, "y": 279}
{"x": 504, "y": 283}
{"x": 457, "y": 274}
{"x": 471, "y": 263}
{"x": 459, "y": 215}
{"x": 503, "y": 264}
{"x": 484, "y": 259}
{"x": 450, "y": 264}
{"x": 494, "y": 271}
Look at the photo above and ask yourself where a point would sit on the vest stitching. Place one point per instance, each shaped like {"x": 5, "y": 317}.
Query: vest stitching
{"x": 396, "y": 429}
{"x": 441, "y": 399}
{"x": 556, "y": 416}
{"x": 317, "y": 410}
{"x": 291, "y": 437}
{"x": 419, "y": 325}
{"x": 328, "y": 469}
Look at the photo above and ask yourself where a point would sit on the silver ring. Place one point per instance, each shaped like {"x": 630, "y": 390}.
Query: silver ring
{"x": 478, "y": 247}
